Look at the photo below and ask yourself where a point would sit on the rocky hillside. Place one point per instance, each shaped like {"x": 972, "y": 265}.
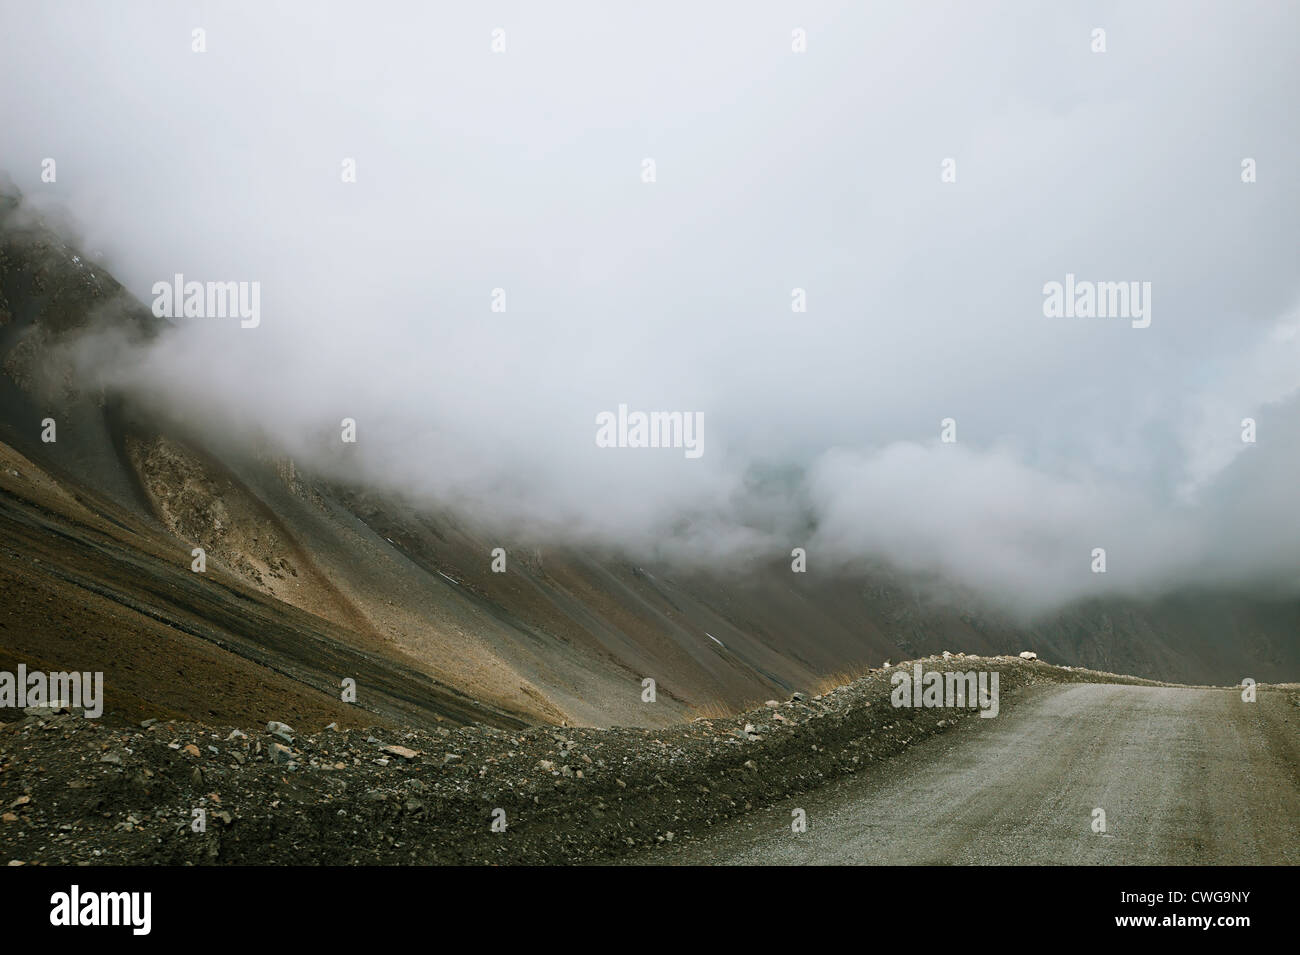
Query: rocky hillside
{"x": 308, "y": 583}
{"x": 76, "y": 791}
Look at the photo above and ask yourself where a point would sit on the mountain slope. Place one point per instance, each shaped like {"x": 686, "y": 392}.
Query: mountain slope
{"x": 309, "y": 582}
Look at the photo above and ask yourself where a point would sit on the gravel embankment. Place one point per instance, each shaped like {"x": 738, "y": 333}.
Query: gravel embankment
{"x": 75, "y": 791}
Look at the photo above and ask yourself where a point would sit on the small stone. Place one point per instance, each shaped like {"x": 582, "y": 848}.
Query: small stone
{"x": 546, "y": 766}
{"x": 192, "y": 750}
{"x": 772, "y": 703}
{"x": 236, "y": 734}
{"x": 401, "y": 751}
{"x": 751, "y": 765}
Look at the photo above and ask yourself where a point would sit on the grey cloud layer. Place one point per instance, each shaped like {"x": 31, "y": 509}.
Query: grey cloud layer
{"x": 775, "y": 171}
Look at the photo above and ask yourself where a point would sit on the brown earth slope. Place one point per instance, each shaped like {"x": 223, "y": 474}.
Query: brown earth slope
{"x": 308, "y": 583}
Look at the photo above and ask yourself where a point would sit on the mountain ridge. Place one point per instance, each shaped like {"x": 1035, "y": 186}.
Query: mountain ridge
{"x": 567, "y": 634}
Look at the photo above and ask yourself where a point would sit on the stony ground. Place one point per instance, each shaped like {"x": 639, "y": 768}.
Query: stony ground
{"x": 76, "y": 791}
{"x": 1183, "y": 776}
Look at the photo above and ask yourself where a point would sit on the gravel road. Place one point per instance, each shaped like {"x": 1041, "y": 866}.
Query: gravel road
{"x": 1185, "y": 776}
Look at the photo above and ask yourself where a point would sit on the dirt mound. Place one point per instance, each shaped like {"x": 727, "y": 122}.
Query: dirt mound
{"x": 78, "y": 791}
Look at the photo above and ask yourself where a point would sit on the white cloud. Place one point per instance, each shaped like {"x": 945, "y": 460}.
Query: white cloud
{"x": 820, "y": 170}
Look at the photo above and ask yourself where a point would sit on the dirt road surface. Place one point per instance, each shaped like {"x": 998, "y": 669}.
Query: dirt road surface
{"x": 1184, "y": 776}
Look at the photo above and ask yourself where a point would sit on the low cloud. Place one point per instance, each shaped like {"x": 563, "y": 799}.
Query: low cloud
{"x": 776, "y": 171}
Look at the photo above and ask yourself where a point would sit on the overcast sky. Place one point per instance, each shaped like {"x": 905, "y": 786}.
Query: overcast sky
{"x": 775, "y": 170}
